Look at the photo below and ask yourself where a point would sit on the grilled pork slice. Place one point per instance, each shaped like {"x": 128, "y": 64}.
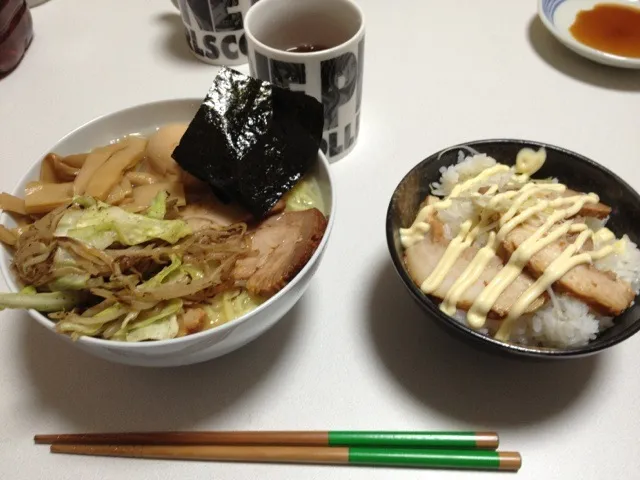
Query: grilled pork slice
{"x": 603, "y": 291}
{"x": 423, "y": 257}
{"x": 283, "y": 245}
{"x": 597, "y": 210}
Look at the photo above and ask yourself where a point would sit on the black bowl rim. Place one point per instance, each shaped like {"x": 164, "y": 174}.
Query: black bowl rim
{"x": 447, "y": 321}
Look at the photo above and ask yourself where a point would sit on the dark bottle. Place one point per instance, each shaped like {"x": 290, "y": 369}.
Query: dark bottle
{"x": 16, "y": 32}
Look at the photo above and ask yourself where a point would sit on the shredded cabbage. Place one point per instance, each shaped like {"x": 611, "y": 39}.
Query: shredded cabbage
{"x": 117, "y": 330}
{"x": 158, "y": 207}
{"x": 101, "y": 225}
{"x": 305, "y": 195}
{"x": 162, "y": 330}
{"x": 91, "y": 251}
{"x": 164, "y": 274}
{"x": 69, "y": 282}
{"x": 193, "y": 272}
{"x": 118, "y": 323}
{"x": 72, "y": 281}
{"x": 148, "y": 317}
{"x": 78, "y": 325}
{"x": 43, "y": 302}
{"x": 229, "y": 305}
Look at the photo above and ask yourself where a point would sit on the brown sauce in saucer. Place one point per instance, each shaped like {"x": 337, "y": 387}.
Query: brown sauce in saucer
{"x": 611, "y": 28}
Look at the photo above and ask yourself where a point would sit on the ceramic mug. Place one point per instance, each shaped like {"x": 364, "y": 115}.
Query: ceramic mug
{"x": 214, "y": 29}
{"x": 16, "y": 33}
{"x": 314, "y": 46}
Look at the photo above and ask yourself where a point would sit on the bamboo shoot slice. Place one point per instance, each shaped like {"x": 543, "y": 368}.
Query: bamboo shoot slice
{"x": 93, "y": 162}
{"x": 110, "y": 173}
{"x": 120, "y": 192}
{"x": 64, "y": 172}
{"x": 44, "y": 197}
{"x": 11, "y": 203}
{"x": 142, "y": 178}
{"x": 76, "y": 160}
{"x": 48, "y": 169}
{"x": 7, "y": 236}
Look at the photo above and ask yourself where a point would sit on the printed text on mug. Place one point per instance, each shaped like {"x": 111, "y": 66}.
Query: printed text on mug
{"x": 341, "y": 93}
{"x": 214, "y": 28}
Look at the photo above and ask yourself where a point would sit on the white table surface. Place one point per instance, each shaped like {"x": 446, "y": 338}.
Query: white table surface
{"x": 355, "y": 353}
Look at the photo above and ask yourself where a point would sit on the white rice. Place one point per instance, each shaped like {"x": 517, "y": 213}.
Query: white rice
{"x": 466, "y": 168}
{"x": 564, "y": 321}
{"x": 464, "y": 209}
{"x": 453, "y": 217}
{"x": 626, "y": 264}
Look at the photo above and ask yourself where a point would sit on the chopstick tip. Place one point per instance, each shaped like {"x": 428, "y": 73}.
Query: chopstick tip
{"x": 490, "y": 440}
{"x": 43, "y": 438}
{"x": 510, "y": 461}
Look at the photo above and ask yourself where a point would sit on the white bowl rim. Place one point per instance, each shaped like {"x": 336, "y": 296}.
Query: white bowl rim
{"x": 49, "y": 324}
{"x": 591, "y": 53}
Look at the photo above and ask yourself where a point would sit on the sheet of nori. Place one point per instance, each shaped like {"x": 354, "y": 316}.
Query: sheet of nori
{"x": 251, "y": 141}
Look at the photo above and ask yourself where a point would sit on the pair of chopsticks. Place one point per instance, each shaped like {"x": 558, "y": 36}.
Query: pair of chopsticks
{"x": 465, "y": 450}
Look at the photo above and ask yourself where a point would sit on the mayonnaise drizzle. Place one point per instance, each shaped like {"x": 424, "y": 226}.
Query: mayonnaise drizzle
{"x": 420, "y": 227}
{"x": 469, "y": 276}
{"x": 556, "y": 270}
{"x": 529, "y": 161}
{"x": 519, "y": 206}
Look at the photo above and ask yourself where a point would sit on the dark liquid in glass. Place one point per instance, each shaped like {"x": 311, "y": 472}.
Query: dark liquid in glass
{"x": 307, "y": 48}
{"x": 16, "y": 32}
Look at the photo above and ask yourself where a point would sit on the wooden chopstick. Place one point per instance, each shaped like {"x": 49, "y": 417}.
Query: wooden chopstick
{"x": 417, "y": 439}
{"x": 465, "y": 459}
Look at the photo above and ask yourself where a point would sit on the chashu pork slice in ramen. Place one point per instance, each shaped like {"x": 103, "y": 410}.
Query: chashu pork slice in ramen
{"x": 422, "y": 258}
{"x": 282, "y": 245}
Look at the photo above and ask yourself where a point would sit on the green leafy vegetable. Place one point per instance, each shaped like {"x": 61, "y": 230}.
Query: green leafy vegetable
{"x": 173, "y": 273}
{"x": 72, "y": 281}
{"x": 116, "y": 330}
{"x": 161, "y": 330}
{"x": 159, "y": 278}
{"x": 43, "y": 302}
{"x": 158, "y": 323}
{"x": 158, "y": 207}
{"x": 118, "y": 323}
{"x": 90, "y": 325}
{"x": 69, "y": 282}
{"x": 157, "y": 313}
{"x": 193, "y": 272}
{"x": 229, "y": 305}
{"x": 28, "y": 290}
{"x": 305, "y": 195}
{"x": 101, "y": 225}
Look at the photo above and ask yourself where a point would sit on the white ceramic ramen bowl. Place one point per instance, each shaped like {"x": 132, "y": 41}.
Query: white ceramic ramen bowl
{"x": 201, "y": 346}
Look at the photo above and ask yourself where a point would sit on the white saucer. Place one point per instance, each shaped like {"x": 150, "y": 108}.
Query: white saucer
{"x": 559, "y": 15}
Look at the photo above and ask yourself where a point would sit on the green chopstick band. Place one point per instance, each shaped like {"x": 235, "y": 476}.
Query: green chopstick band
{"x": 452, "y": 440}
{"x": 464, "y": 459}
